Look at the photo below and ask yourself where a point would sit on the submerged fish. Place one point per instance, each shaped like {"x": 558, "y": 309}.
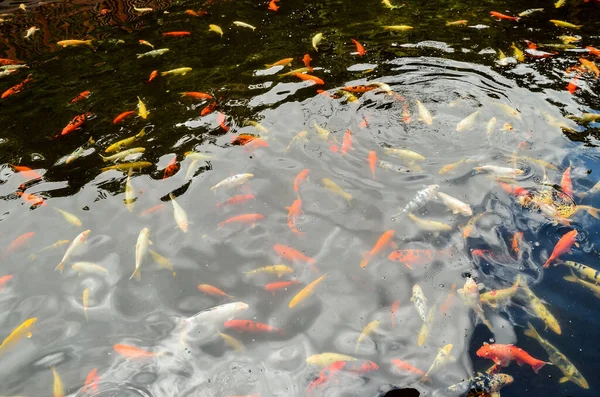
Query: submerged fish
{"x": 420, "y": 301}
{"x": 470, "y": 295}
{"x": 421, "y": 198}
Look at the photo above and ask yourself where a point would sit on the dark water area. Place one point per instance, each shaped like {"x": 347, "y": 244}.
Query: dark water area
{"x": 431, "y": 110}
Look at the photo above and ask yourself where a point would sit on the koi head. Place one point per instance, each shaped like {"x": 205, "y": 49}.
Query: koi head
{"x": 485, "y": 351}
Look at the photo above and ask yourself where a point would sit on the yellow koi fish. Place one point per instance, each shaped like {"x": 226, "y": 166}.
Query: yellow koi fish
{"x": 306, "y": 292}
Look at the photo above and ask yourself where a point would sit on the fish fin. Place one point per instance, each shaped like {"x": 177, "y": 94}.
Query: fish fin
{"x": 538, "y": 365}
{"x": 563, "y": 379}
{"x": 104, "y": 158}
{"x": 480, "y": 286}
{"x": 60, "y": 267}
{"x": 495, "y": 394}
{"x": 394, "y": 245}
{"x": 531, "y": 332}
{"x": 576, "y": 244}
{"x": 136, "y": 274}
{"x": 572, "y": 278}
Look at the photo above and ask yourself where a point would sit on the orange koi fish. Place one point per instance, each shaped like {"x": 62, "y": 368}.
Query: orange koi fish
{"x": 591, "y": 66}
{"x": 360, "y": 89}
{"x": 277, "y": 285}
{"x": 255, "y": 143}
{"x": 565, "y": 182}
{"x": 212, "y": 290}
{"x": 76, "y": 123}
{"x": 251, "y": 327}
{"x": 132, "y": 351}
{"x": 91, "y": 381}
{"x": 242, "y": 198}
{"x": 208, "y": 108}
{"x": 410, "y": 258}
{"x": 516, "y": 242}
{"x": 18, "y": 243}
{"x": 293, "y": 255}
{"x": 299, "y": 180}
{"x": 372, "y": 160}
{"x": 347, "y": 142}
{"x": 306, "y": 60}
{"x": 244, "y": 218}
{"x": 281, "y": 62}
{"x": 171, "y": 168}
{"x": 406, "y": 367}
{"x": 572, "y": 86}
{"x": 273, "y": 5}
{"x": 32, "y": 199}
{"x": 364, "y": 123}
{"x": 563, "y": 246}
{"x": 17, "y": 88}
{"x": 221, "y": 119}
{"x": 502, "y": 16}
{"x": 503, "y": 354}
{"x": 449, "y": 299}
{"x": 26, "y": 172}
{"x": 123, "y": 116}
{"x": 153, "y": 75}
{"x": 5, "y": 62}
{"x": 308, "y": 77}
{"x": 394, "y": 309}
{"x": 4, "y": 280}
{"x": 293, "y": 211}
{"x": 593, "y": 51}
{"x": 176, "y": 34}
{"x": 196, "y": 95}
{"x": 156, "y": 208}
{"x": 359, "y": 48}
{"x": 516, "y": 191}
{"x": 382, "y": 243}
{"x": 242, "y": 139}
{"x": 81, "y": 97}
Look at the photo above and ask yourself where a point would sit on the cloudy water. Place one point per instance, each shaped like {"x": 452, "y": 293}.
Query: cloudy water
{"x": 286, "y": 198}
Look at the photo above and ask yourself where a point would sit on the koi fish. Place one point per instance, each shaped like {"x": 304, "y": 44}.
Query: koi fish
{"x": 215, "y": 28}
{"x": 26, "y": 172}
{"x": 244, "y": 25}
{"x": 76, "y": 123}
{"x": 232, "y": 342}
{"x": 91, "y": 381}
{"x": 470, "y": 295}
{"x": 503, "y": 354}
{"x": 305, "y": 292}
{"x": 299, "y": 136}
{"x": 216, "y": 315}
{"x": 279, "y": 270}
{"x": 347, "y": 142}
{"x": 563, "y": 246}
{"x": 501, "y": 296}
{"x": 406, "y": 367}
{"x": 73, "y": 43}
{"x": 565, "y": 182}
{"x": 171, "y": 168}
{"x": 177, "y": 72}
{"x": 251, "y": 327}
{"x": 277, "y": 285}
{"x": 560, "y": 360}
{"x": 273, "y": 5}
{"x": 316, "y": 40}
{"x": 591, "y": 286}
{"x": 424, "y": 113}
{"x": 293, "y": 255}
{"x": 332, "y": 186}
{"x": 468, "y": 122}
{"x": 32, "y": 199}
{"x": 232, "y": 181}
{"x": 75, "y": 246}
{"x": 372, "y": 160}
{"x": 394, "y": 309}
{"x": 483, "y": 384}
{"x": 530, "y": 11}
{"x": 212, "y": 290}
{"x": 359, "y": 48}
{"x": 404, "y": 154}
{"x": 442, "y": 358}
{"x": 176, "y": 34}
{"x": 300, "y": 179}
{"x": 585, "y": 272}
{"x": 399, "y": 28}
{"x": 514, "y": 190}
{"x": 59, "y": 390}
{"x": 144, "y": 42}
{"x": 128, "y": 166}
{"x": 429, "y": 225}
{"x": 17, "y": 334}
{"x": 243, "y": 218}
{"x": 293, "y": 211}
{"x": 455, "y": 205}
{"x": 153, "y": 53}
{"x": 142, "y": 110}
{"x": 196, "y": 95}
{"x": 361, "y": 89}
{"x": 18, "y": 243}
{"x": 240, "y": 199}
{"x": 85, "y": 298}
{"x": 123, "y": 154}
{"x": 4, "y": 280}
{"x": 421, "y": 198}
{"x": 420, "y": 301}
{"x": 326, "y": 359}
{"x": 461, "y": 22}
{"x": 17, "y": 88}
{"x": 179, "y": 214}
{"x": 427, "y": 326}
{"x": 367, "y": 331}
{"x": 281, "y": 62}
{"x": 72, "y": 219}
{"x": 516, "y": 242}
{"x": 540, "y": 310}
{"x": 503, "y": 16}
{"x": 141, "y": 250}
{"x": 500, "y": 171}
{"x": 208, "y": 109}
{"x": 308, "y": 77}
{"x": 563, "y": 24}
{"x": 385, "y": 240}
{"x": 88, "y": 267}
{"x": 132, "y": 352}
{"x": 410, "y": 258}
{"x": 81, "y": 97}
{"x": 307, "y": 59}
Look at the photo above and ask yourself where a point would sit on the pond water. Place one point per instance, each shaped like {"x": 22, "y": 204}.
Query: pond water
{"x": 409, "y": 197}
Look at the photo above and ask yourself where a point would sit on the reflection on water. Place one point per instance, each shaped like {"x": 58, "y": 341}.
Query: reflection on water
{"x": 355, "y": 232}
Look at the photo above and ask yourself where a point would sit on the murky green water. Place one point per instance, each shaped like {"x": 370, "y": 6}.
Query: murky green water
{"x": 91, "y": 317}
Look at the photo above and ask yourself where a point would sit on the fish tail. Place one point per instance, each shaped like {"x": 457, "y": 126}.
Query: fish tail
{"x": 163, "y": 73}
{"x": 531, "y": 332}
{"x": 136, "y": 274}
{"x": 572, "y": 278}
{"x": 593, "y": 211}
{"x": 365, "y": 259}
{"x": 547, "y": 263}
{"x": 60, "y": 267}
{"x": 538, "y": 365}
{"x": 104, "y": 158}
{"x": 221, "y": 224}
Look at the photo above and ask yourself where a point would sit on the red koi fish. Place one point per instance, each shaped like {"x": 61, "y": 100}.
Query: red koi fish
{"x": 81, "y": 97}
{"x": 382, "y": 243}
{"x": 593, "y": 51}
{"x": 277, "y": 285}
{"x": 572, "y": 86}
{"x": 503, "y": 354}
{"x": 299, "y": 180}
{"x": 293, "y": 255}
{"x": 17, "y": 88}
{"x": 394, "y": 308}
{"x": 208, "y": 109}
{"x": 123, "y": 116}
{"x": 360, "y": 89}
{"x": 153, "y": 75}
{"x": 251, "y": 327}
{"x": 309, "y": 77}
{"x": 565, "y": 182}
{"x": 563, "y": 246}
{"x": 76, "y": 123}
{"x": 255, "y": 144}
{"x": 307, "y": 60}
{"x": 196, "y": 95}
{"x": 171, "y": 168}
{"x": 4, "y": 280}
{"x": 132, "y": 351}
{"x": 156, "y": 208}
{"x": 406, "y": 367}
{"x": 18, "y": 243}
{"x": 293, "y": 211}
{"x": 273, "y": 5}
{"x": 514, "y": 190}
{"x": 91, "y": 381}
{"x": 502, "y": 16}
{"x": 410, "y": 258}
{"x": 330, "y": 373}
{"x": 359, "y": 48}
{"x": 244, "y": 218}
{"x": 176, "y": 34}
{"x": 242, "y": 198}
{"x": 32, "y": 199}
{"x": 5, "y": 62}
{"x": 242, "y": 139}
{"x": 347, "y": 142}
{"x": 372, "y": 160}
{"x": 26, "y": 172}
{"x": 221, "y": 119}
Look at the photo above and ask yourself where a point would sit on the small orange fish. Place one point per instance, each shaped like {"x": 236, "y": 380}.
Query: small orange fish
{"x": 212, "y": 290}
{"x": 565, "y": 182}
{"x": 281, "y": 62}
{"x": 251, "y": 327}
{"x": 156, "y": 208}
{"x": 17, "y": 88}
{"x": 372, "y": 160}
{"x": 81, "y": 96}
{"x": 572, "y": 86}
{"x": 255, "y": 143}
{"x": 359, "y": 89}
{"x": 192, "y": 13}
{"x": 237, "y": 200}
{"x": 516, "y": 242}
{"x": 410, "y": 258}
{"x": 299, "y": 180}
{"x": 76, "y": 123}
{"x": 444, "y": 307}
{"x": 242, "y": 139}
{"x": 563, "y": 246}
{"x": 382, "y": 243}
{"x": 359, "y": 48}
{"x": 394, "y": 309}
{"x": 308, "y": 77}
{"x": 196, "y": 95}
{"x": 132, "y": 351}
{"x": 347, "y": 142}
{"x": 293, "y": 255}
{"x": 221, "y": 120}
{"x": 32, "y": 199}
{"x": 208, "y": 108}
{"x": 91, "y": 381}
{"x": 306, "y": 60}
{"x": 26, "y": 172}
{"x": 293, "y": 211}
{"x": 5, "y": 62}
{"x": 171, "y": 168}
{"x": 4, "y": 280}
{"x": 591, "y": 66}
{"x": 244, "y": 218}
{"x": 176, "y": 34}
{"x": 404, "y": 366}
{"x": 593, "y": 51}
{"x": 123, "y": 116}
{"x": 502, "y": 16}
{"x": 153, "y": 75}
{"x": 273, "y": 5}
{"x": 277, "y": 285}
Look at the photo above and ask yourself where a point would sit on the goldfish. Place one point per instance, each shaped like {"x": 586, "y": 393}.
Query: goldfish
{"x": 359, "y": 48}
{"x": 332, "y": 186}
{"x": 144, "y": 42}
{"x": 305, "y": 292}
{"x": 244, "y": 25}
{"x": 420, "y": 301}
{"x": 212, "y": 290}
{"x": 18, "y": 242}
{"x": 540, "y": 310}
{"x": 401, "y": 28}
{"x": 17, "y": 88}
{"x": 293, "y": 211}
{"x": 277, "y": 285}
{"x": 89, "y": 268}
{"x": 503, "y": 354}
{"x": 252, "y": 327}
{"x": 455, "y": 205}
{"x": 563, "y": 246}
{"x": 442, "y": 358}
{"x": 232, "y": 181}
{"x": 281, "y": 62}
{"x": 347, "y": 142}
{"x": 273, "y": 5}
{"x": 592, "y": 286}
{"x": 293, "y": 255}
{"x": 585, "y": 272}
{"x": 530, "y": 11}
{"x": 316, "y": 40}
{"x": 154, "y": 53}
{"x": 132, "y": 352}
{"x": 499, "y": 171}
{"x": 467, "y": 123}
{"x": 406, "y": 367}
{"x": 176, "y": 34}
{"x": 366, "y": 332}
{"x": 426, "y": 327}
{"x": 196, "y": 95}
{"x": 308, "y": 77}
{"x": 563, "y": 24}
{"x": 17, "y": 334}
{"x": 372, "y": 160}
{"x": 480, "y": 385}
{"x": 279, "y": 270}
{"x": 81, "y": 96}
{"x": 410, "y": 258}
{"x": 499, "y": 297}
{"x": 4, "y": 280}
{"x": 326, "y": 359}
{"x": 502, "y": 16}
{"x": 141, "y": 250}
{"x": 216, "y": 29}
{"x": 179, "y": 214}
{"x": 85, "y": 298}
{"x": 421, "y": 198}
{"x": 176, "y": 72}
{"x": 72, "y": 219}
{"x": 429, "y": 225}
{"x": 91, "y": 381}
{"x": 123, "y": 116}
{"x": 384, "y": 241}
{"x": 405, "y": 154}
{"x": 565, "y": 182}
{"x": 243, "y": 218}
{"x": 72, "y": 43}
{"x": 300, "y": 179}
{"x": 560, "y": 360}
{"x": 461, "y": 22}
{"x": 470, "y": 295}
{"x": 424, "y": 113}
{"x": 59, "y": 390}
{"x": 73, "y": 248}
